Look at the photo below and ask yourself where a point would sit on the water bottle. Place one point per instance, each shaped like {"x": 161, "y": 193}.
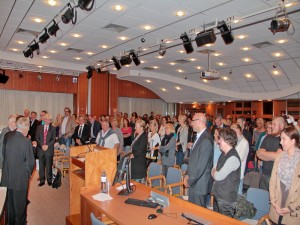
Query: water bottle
{"x": 103, "y": 182}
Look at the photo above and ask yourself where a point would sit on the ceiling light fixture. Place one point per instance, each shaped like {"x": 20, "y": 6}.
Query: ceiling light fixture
{"x": 69, "y": 15}
{"x": 280, "y": 25}
{"x": 135, "y": 57}
{"x": 205, "y": 37}
{"x": 3, "y": 77}
{"x": 125, "y": 60}
{"x": 162, "y": 49}
{"x": 180, "y": 13}
{"x": 118, "y": 7}
{"x": 53, "y": 29}
{"x": 44, "y": 37}
{"x": 116, "y": 63}
{"x": 187, "y": 44}
{"x": 226, "y": 33}
{"x": 90, "y": 70}
{"x": 83, "y": 4}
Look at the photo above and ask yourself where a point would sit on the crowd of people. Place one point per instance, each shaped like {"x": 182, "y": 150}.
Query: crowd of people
{"x": 219, "y": 153}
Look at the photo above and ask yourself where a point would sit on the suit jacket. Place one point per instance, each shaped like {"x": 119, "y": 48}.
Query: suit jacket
{"x": 96, "y": 128}
{"x": 214, "y": 127}
{"x": 32, "y": 129}
{"x": 293, "y": 199}
{"x": 138, "y": 163}
{"x": 70, "y": 127}
{"x": 85, "y": 135}
{"x": 201, "y": 163}
{"x": 50, "y": 140}
{"x": 18, "y": 161}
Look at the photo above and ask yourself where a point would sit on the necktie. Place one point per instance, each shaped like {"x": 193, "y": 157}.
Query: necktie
{"x": 45, "y": 134}
{"x": 80, "y": 131}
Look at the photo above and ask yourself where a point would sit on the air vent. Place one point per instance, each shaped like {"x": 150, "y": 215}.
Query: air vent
{"x": 205, "y": 51}
{"x": 74, "y": 50}
{"x": 262, "y": 44}
{"x": 31, "y": 32}
{"x": 115, "y": 28}
{"x": 182, "y": 61}
{"x": 148, "y": 68}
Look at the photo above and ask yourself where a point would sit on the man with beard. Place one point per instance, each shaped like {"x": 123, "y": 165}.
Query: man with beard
{"x": 269, "y": 149}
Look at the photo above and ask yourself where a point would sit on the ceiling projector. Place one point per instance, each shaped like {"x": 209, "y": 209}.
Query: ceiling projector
{"x": 210, "y": 75}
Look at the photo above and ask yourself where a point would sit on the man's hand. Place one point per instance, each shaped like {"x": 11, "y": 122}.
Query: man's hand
{"x": 189, "y": 145}
{"x": 34, "y": 143}
{"x": 78, "y": 141}
{"x": 185, "y": 181}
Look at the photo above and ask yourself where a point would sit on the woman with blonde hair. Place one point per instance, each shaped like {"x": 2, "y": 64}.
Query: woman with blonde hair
{"x": 284, "y": 182}
{"x": 181, "y": 140}
{"x": 153, "y": 143}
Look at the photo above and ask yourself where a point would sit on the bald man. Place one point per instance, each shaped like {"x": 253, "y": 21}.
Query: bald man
{"x": 198, "y": 177}
{"x": 269, "y": 149}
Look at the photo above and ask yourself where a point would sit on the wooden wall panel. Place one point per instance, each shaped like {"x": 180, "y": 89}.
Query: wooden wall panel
{"x": 279, "y": 106}
{"x": 99, "y": 94}
{"x": 82, "y": 95}
{"x": 114, "y": 92}
{"x": 258, "y": 107}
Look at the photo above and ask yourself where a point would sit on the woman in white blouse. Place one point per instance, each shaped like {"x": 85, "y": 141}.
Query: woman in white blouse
{"x": 153, "y": 143}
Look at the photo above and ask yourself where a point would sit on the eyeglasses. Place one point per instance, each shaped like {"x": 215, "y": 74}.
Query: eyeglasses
{"x": 66, "y": 111}
{"x": 195, "y": 119}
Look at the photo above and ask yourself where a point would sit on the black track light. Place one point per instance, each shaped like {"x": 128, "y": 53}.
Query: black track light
{"x": 44, "y": 37}
{"x": 116, "y": 63}
{"x": 280, "y": 25}
{"x": 205, "y": 37}
{"x": 125, "y": 60}
{"x": 53, "y": 29}
{"x": 225, "y": 33}
{"x": 187, "y": 44}
{"x": 35, "y": 47}
{"x": 90, "y": 71}
{"x": 3, "y": 77}
{"x": 99, "y": 70}
{"x": 135, "y": 58}
{"x": 28, "y": 53}
{"x": 83, "y": 4}
{"x": 68, "y": 15}
{"x": 162, "y": 49}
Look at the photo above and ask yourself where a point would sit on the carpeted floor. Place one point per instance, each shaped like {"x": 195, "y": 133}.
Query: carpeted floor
{"x": 48, "y": 206}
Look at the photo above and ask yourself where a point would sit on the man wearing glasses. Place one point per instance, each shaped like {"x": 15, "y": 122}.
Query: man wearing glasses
{"x": 67, "y": 129}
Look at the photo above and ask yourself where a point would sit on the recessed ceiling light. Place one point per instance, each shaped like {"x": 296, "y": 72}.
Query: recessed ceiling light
{"x": 159, "y": 56}
{"x": 147, "y": 27}
{"x": 45, "y": 57}
{"x": 118, "y": 7}
{"x": 180, "y": 102}
{"x": 246, "y": 59}
{"x": 180, "y": 71}
{"x": 51, "y": 2}
{"x": 52, "y": 51}
{"x": 181, "y": 51}
{"x": 288, "y": 4}
{"x": 163, "y": 89}
{"x": 229, "y": 100}
{"x": 221, "y": 64}
{"x": 225, "y": 78}
{"x": 211, "y": 101}
{"x": 40, "y": 66}
{"x": 168, "y": 42}
{"x": 155, "y": 67}
{"x": 259, "y": 100}
{"x": 180, "y": 13}
{"x": 208, "y": 45}
{"x": 198, "y": 67}
{"x": 172, "y": 63}
{"x": 20, "y": 42}
{"x": 245, "y": 48}
{"x": 281, "y": 41}
{"x": 123, "y": 38}
{"x": 76, "y": 35}
{"x": 236, "y": 21}
{"x": 277, "y": 54}
{"x": 37, "y": 20}
{"x": 205, "y": 80}
{"x": 178, "y": 88}
{"x": 104, "y": 46}
{"x": 217, "y": 54}
{"x": 142, "y": 61}
{"x": 148, "y": 81}
{"x": 63, "y": 44}
{"x": 90, "y": 53}
{"x": 78, "y": 58}
{"x": 193, "y": 59}
{"x": 248, "y": 75}
{"x": 127, "y": 65}
{"x": 275, "y": 72}
{"x": 15, "y": 49}
{"x": 241, "y": 36}
{"x": 145, "y": 49}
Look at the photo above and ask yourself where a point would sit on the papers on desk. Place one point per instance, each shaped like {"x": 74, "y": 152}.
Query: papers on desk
{"x": 123, "y": 187}
{"x": 102, "y": 197}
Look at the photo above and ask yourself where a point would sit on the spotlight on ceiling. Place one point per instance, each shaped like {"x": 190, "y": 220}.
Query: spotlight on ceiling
{"x": 205, "y": 37}
{"x": 83, "y": 4}
{"x": 116, "y": 63}
{"x": 69, "y": 15}
{"x": 280, "y": 25}
{"x": 35, "y": 47}
{"x": 162, "y": 49}
{"x": 90, "y": 71}
{"x": 125, "y": 60}
{"x": 44, "y": 37}
{"x": 225, "y": 33}
{"x": 187, "y": 44}
{"x": 28, "y": 53}
{"x": 99, "y": 70}
{"x": 3, "y": 77}
{"x": 135, "y": 58}
{"x": 53, "y": 29}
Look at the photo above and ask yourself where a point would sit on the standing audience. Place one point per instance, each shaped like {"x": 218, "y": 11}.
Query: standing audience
{"x": 81, "y": 134}
{"x": 67, "y": 129}
{"x": 153, "y": 143}
{"x": 181, "y": 141}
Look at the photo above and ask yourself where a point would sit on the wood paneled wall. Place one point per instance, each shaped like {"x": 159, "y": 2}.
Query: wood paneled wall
{"x": 81, "y": 98}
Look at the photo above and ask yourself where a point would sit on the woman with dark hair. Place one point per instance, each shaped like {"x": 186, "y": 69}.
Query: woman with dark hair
{"x": 226, "y": 174}
{"x": 284, "y": 182}
{"x": 127, "y": 131}
{"x": 167, "y": 149}
{"x": 139, "y": 150}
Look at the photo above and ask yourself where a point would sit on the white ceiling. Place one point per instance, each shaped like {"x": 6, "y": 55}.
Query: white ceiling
{"x": 160, "y": 14}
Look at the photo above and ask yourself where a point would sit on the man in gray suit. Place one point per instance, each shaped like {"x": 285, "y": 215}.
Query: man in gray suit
{"x": 17, "y": 169}
{"x": 198, "y": 177}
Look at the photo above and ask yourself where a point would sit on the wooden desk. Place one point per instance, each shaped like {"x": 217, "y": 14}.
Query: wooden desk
{"x": 125, "y": 214}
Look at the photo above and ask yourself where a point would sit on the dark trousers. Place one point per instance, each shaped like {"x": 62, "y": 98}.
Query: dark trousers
{"x": 264, "y": 182}
{"x": 179, "y": 157}
{"x": 279, "y": 221}
{"x": 224, "y": 207}
{"x": 45, "y": 162}
{"x": 197, "y": 198}
{"x": 17, "y": 206}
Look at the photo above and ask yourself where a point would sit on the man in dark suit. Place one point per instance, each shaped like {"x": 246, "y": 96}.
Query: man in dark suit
{"x": 218, "y": 123}
{"x": 82, "y": 132}
{"x": 45, "y": 138}
{"x": 33, "y": 125}
{"x": 17, "y": 170}
{"x": 198, "y": 177}
{"x": 95, "y": 128}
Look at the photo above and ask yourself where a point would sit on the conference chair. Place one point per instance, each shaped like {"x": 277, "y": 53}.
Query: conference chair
{"x": 61, "y": 161}
{"x": 95, "y": 221}
{"x": 154, "y": 177}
